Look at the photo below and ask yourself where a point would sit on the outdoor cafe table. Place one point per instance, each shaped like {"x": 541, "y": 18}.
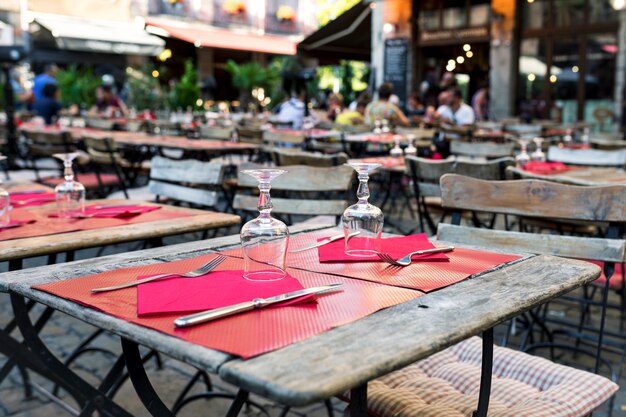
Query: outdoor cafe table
{"x": 331, "y": 363}
{"x": 16, "y": 250}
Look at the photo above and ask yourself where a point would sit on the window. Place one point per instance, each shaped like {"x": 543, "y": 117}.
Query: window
{"x": 600, "y": 81}
{"x": 479, "y": 14}
{"x": 569, "y": 12}
{"x": 534, "y": 14}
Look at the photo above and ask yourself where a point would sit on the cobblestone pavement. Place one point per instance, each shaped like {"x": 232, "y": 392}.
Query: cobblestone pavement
{"x": 63, "y": 333}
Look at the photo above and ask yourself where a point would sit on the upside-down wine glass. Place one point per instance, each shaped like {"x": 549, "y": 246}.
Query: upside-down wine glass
{"x": 396, "y": 151}
{"x": 538, "y": 154}
{"x": 264, "y": 240}
{"x": 523, "y": 157}
{"x": 70, "y": 194}
{"x": 410, "y": 150}
{"x": 363, "y": 222}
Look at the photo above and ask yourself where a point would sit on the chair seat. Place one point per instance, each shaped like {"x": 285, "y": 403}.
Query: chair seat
{"x": 447, "y": 383}
{"x": 89, "y": 180}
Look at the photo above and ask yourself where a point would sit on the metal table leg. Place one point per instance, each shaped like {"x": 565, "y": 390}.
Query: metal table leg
{"x": 358, "y": 401}
{"x": 485, "y": 376}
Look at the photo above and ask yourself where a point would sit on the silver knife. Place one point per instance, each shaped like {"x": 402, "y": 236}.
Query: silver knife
{"x": 218, "y": 313}
{"x": 323, "y": 242}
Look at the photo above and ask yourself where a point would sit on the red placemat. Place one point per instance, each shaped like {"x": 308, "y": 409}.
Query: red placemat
{"x": 247, "y": 334}
{"x": 423, "y": 276}
{"x": 44, "y": 225}
{"x": 26, "y": 199}
{"x": 396, "y": 247}
{"x": 214, "y": 290}
{"x": 545, "y": 168}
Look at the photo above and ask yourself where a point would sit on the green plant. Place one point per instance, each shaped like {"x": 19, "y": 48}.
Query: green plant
{"x": 250, "y": 75}
{"x": 144, "y": 90}
{"x": 327, "y": 10}
{"x": 186, "y": 92}
{"x": 78, "y": 86}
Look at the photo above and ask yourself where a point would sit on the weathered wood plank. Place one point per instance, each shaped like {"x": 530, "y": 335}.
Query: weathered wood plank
{"x": 587, "y": 156}
{"x": 608, "y": 250}
{"x": 286, "y": 157}
{"x": 584, "y": 176}
{"x": 208, "y": 198}
{"x": 293, "y": 205}
{"x": 216, "y": 132}
{"x": 535, "y": 198}
{"x": 276, "y": 136}
{"x": 482, "y": 149}
{"x": 190, "y": 170}
{"x": 304, "y": 178}
{"x": 350, "y": 355}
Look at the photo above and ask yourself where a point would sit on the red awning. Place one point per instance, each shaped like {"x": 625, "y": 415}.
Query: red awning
{"x": 204, "y": 35}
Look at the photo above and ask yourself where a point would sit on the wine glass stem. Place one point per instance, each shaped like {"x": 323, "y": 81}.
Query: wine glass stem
{"x": 363, "y": 192}
{"x": 68, "y": 173}
{"x": 265, "y": 201}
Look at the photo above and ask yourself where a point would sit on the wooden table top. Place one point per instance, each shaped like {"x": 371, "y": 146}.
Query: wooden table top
{"x": 161, "y": 141}
{"x": 43, "y": 245}
{"x": 580, "y": 176}
{"x": 344, "y": 357}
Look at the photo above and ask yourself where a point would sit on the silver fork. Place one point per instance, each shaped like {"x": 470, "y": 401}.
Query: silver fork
{"x": 406, "y": 260}
{"x": 198, "y": 272}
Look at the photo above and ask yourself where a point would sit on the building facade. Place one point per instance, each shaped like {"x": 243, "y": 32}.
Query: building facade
{"x": 543, "y": 59}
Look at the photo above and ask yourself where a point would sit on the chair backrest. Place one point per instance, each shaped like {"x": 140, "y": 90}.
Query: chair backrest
{"x": 524, "y": 130}
{"x": 99, "y": 123}
{"x": 277, "y": 136}
{"x": 538, "y": 199}
{"x": 216, "y": 132}
{"x": 101, "y": 149}
{"x": 482, "y": 149}
{"x": 191, "y": 181}
{"x": 43, "y": 143}
{"x": 282, "y": 157}
{"x": 418, "y": 132}
{"x": 323, "y": 183}
{"x": 592, "y": 157}
{"x": 426, "y": 173}
{"x": 250, "y": 134}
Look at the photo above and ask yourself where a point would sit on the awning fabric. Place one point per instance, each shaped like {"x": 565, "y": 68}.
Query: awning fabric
{"x": 205, "y": 35}
{"x": 349, "y": 36}
{"x": 113, "y": 37}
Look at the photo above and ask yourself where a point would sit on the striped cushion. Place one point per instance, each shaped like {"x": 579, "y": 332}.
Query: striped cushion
{"x": 447, "y": 384}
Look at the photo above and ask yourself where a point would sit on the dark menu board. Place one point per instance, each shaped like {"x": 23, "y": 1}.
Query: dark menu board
{"x": 396, "y": 66}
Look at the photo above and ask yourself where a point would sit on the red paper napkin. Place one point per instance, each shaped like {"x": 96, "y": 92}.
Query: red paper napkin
{"x": 104, "y": 211}
{"x": 396, "y": 247}
{"x": 214, "y": 290}
{"x": 545, "y": 168}
{"x": 30, "y": 199}
{"x": 15, "y": 223}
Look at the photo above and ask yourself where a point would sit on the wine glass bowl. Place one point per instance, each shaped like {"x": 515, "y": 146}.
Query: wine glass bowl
{"x": 264, "y": 240}
{"x": 523, "y": 157}
{"x": 70, "y": 194}
{"x": 363, "y": 222}
{"x": 538, "y": 155}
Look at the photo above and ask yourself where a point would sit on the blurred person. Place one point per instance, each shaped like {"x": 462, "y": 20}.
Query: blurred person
{"x": 48, "y": 106}
{"x": 480, "y": 102}
{"x": 383, "y": 109}
{"x": 46, "y": 77}
{"x": 21, "y": 96}
{"x": 353, "y": 117}
{"x": 108, "y": 104}
{"x": 363, "y": 97}
{"x": 415, "y": 109}
{"x": 291, "y": 111}
{"x": 335, "y": 106}
{"x": 453, "y": 110}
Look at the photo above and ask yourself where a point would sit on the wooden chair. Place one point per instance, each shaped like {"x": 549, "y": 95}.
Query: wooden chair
{"x": 190, "y": 181}
{"x": 99, "y": 123}
{"x": 103, "y": 154}
{"x": 44, "y": 144}
{"x": 524, "y": 130}
{"x": 216, "y": 132}
{"x": 283, "y": 157}
{"x": 486, "y": 150}
{"x": 426, "y": 174}
{"x": 248, "y": 134}
{"x": 447, "y": 383}
{"x": 592, "y": 157}
{"x": 277, "y": 138}
{"x": 303, "y": 190}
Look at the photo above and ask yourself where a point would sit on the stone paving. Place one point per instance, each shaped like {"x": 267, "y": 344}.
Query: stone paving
{"x": 63, "y": 333}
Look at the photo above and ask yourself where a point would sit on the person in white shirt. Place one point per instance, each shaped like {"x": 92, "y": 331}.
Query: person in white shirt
{"x": 455, "y": 111}
{"x": 292, "y": 111}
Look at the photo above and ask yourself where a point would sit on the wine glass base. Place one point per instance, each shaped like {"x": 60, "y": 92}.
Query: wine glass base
{"x": 362, "y": 253}
{"x": 264, "y": 275}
